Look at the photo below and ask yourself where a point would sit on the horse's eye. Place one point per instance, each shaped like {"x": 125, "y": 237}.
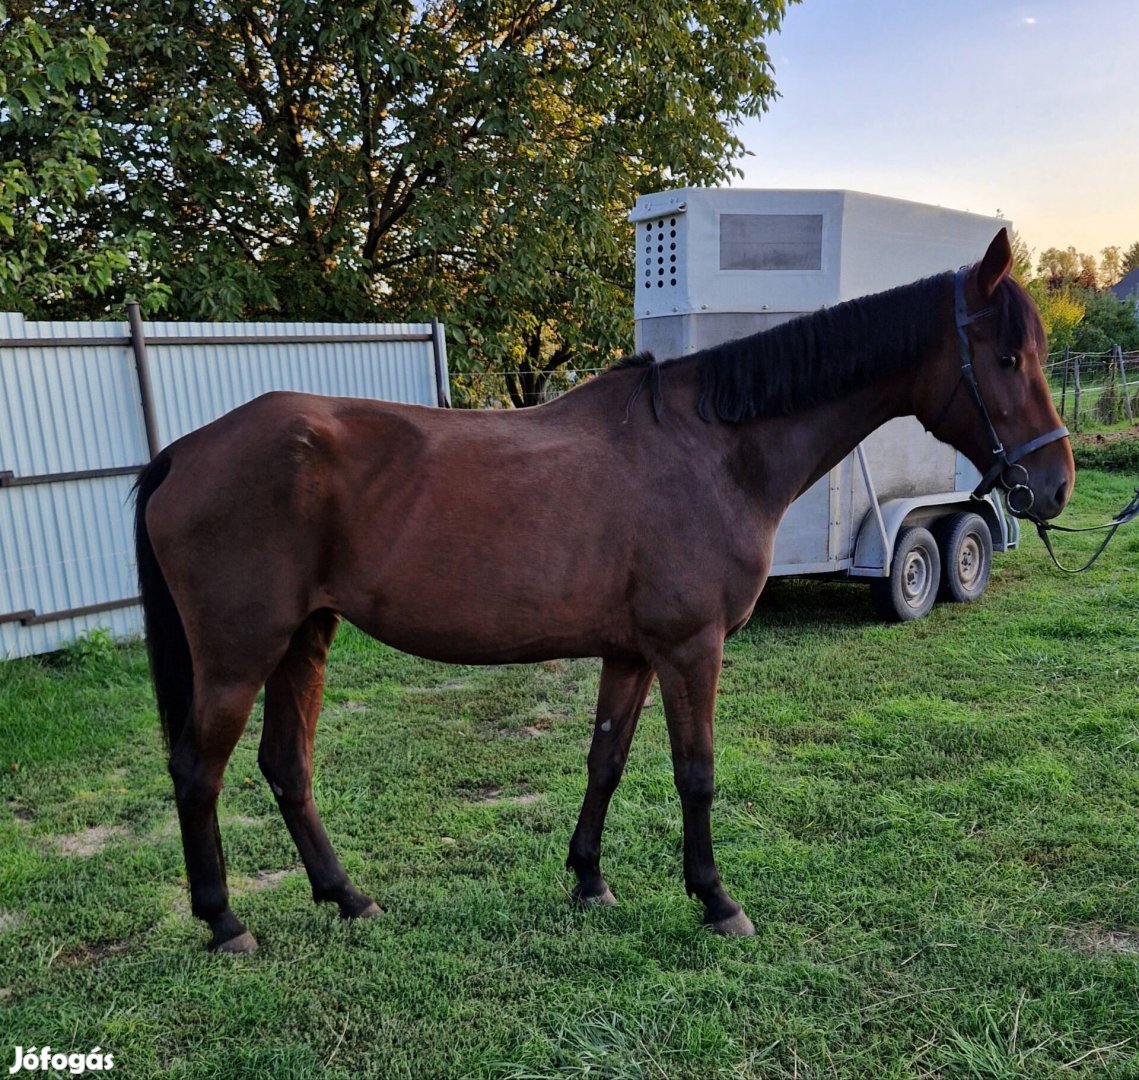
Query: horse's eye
{"x": 1010, "y": 361}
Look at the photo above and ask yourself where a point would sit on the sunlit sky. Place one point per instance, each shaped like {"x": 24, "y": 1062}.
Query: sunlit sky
{"x": 1029, "y": 108}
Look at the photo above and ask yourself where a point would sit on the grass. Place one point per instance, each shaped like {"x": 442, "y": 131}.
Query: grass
{"x": 935, "y": 828}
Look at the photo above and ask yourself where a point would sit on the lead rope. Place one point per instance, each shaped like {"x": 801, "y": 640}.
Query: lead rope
{"x": 1043, "y": 528}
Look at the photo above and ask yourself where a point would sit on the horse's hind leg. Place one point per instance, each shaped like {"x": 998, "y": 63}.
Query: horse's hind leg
{"x": 688, "y": 676}
{"x": 292, "y": 706}
{"x": 619, "y": 701}
{"x": 197, "y": 762}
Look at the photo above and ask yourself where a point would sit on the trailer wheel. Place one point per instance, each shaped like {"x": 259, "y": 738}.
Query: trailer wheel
{"x": 966, "y": 557}
{"x": 915, "y": 574}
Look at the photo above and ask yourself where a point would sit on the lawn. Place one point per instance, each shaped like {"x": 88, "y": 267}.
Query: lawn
{"x": 933, "y": 826}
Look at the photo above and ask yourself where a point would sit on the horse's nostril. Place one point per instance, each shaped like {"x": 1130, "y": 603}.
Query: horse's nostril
{"x": 1062, "y": 494}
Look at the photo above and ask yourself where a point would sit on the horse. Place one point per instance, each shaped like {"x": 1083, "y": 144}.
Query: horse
{"x": 631, "y": 519}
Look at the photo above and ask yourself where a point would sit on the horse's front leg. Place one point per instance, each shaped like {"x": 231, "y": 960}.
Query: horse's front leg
{"x": 624, "y": 684}
{"x": 689, "y": 675}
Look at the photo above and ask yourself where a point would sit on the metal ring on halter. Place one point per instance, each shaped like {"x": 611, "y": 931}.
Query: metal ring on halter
{"x": 1013, "y": 487}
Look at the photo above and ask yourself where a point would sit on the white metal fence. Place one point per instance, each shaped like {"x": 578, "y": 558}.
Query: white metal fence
{"x": 83, "y": 405}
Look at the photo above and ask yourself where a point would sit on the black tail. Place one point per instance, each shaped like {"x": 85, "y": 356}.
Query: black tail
{"x": 170, "y": 665}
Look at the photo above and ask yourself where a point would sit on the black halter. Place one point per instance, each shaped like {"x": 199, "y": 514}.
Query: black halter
{"x": 1005, "y": 465}
{"x": 1006, "y": 469}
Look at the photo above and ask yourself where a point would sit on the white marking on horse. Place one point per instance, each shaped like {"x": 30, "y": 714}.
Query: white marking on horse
{"x": 607, "y": 725}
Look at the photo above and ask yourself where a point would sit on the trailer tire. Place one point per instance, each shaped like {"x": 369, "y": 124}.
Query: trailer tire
{"x": 915, "y": 576}
{"x": 966, "y": 557}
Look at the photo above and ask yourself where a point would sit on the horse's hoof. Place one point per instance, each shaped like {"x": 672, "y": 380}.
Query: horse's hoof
{"x": 243, "y": 943}
{"x": 737, "y": 925}
{"x": 602, "y": 899}
{"x": 368, "y": 910}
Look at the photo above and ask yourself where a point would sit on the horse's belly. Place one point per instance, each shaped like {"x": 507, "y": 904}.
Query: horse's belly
{"x": 455, "y": 639}
{"x": 491, "y": 620}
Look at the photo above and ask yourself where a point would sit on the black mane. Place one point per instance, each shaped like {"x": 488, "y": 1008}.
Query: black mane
{"x": 818, "y": 357}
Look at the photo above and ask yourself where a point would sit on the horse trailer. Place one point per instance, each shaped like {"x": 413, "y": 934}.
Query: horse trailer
{"x": 717, "y": 264}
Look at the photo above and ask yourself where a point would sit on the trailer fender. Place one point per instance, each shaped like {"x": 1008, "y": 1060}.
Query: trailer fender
{"x": 874, "y": 548}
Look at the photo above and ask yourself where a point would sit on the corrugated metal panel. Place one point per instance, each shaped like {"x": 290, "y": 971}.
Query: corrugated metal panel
{"x": 68, "y": 408}
{"x": 196, "y": 382}
{"x": 75, "y": 407}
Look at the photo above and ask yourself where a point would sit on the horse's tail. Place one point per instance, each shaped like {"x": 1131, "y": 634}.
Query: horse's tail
{"x": 170, "y": 665}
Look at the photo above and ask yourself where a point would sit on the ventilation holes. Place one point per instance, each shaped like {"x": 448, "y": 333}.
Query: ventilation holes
{"x": 654, "y": 245}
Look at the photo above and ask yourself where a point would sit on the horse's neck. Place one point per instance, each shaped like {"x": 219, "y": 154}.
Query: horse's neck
{"x": 780, "y": 457}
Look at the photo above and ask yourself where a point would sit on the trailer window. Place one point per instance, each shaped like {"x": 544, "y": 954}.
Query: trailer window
{"x": 771, "y": 241}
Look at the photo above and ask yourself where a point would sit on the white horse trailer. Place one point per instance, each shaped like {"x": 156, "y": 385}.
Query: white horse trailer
{"x": 717, "y": 264}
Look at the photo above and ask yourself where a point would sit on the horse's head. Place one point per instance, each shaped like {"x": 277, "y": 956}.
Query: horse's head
{"x": 989, "y": 396}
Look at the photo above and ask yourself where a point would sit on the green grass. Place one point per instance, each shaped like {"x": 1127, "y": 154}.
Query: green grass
{"x": 935, "y": 828}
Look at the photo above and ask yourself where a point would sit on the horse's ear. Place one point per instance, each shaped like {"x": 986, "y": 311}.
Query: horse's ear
{"x": 995, "y": 265}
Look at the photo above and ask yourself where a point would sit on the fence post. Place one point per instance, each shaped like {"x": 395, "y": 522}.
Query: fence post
{"x": 1118, "y": 350}
{"x": 142, "y": 369}
{"x": 1064, "y": 385}
{"x": 1076, "y": 390}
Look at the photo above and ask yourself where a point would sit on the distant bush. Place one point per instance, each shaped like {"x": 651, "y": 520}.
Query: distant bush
{"x": 1118, "y": 452}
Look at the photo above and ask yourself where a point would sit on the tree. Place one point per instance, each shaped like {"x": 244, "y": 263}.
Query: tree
{"x": 52, "y": 261}
{"x": 1107, "y": 321}
{"x": 1021, "y": 258}
{"x": 1067, "y": 268}
{"x": 1131, "y": 258}
{"x": 1110, "y": 266}
{"x": 1061, "y": 312}
{"x": 473, "y": 159}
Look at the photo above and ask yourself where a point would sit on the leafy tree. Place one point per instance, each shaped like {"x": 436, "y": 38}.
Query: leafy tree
{"x": 52, "y": 261}
{"x": 1107, "y": 321}
{"x": 1131, "y": 258}
{"x": 473, "y": 159}
{"x": 1110, "y": 266}
{"x": 1061, "y": 312}
{"x": 1067, "y": 267}
{"x": 1021, "y": 258}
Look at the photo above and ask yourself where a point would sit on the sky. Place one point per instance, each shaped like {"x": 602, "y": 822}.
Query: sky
{"x": 1030, "y": 109}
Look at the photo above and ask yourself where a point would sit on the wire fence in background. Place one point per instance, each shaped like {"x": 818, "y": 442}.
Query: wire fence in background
{"x": 1095, "y": 390}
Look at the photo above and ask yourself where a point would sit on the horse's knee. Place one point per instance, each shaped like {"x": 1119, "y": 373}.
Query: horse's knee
{"x": 695, "y": 782}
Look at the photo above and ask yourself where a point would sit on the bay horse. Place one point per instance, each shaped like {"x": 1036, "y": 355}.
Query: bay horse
{"x": 635, "y": 527}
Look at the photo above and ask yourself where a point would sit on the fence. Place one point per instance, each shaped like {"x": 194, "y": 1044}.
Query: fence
{"x": 85, "y": 405}
{"x": 1098, "y": 389}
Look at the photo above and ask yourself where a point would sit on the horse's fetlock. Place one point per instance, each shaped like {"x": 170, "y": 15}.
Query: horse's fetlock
{"x": 208, "y": 902}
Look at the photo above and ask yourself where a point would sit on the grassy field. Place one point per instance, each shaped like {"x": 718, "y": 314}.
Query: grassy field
{"x": 935, "y": 828}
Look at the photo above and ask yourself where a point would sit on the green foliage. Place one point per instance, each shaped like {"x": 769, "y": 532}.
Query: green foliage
{"x": 1106, "y": 321}
{"x": 1067, "y": 267}
{"x": 1060, "y": 312}
{"x": 1130, "y": 258}
{"x": 55, "y": 256}
{"x": 473, "y": 161}
{"x": 1111, "y": 452}
{"x": 91, "y": 649}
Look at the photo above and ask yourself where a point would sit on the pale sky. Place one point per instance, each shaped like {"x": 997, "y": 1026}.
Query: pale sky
{"x": 1028, "y": 108}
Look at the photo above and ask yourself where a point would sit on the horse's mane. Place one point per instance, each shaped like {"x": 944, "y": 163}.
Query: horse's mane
{"x": 825, "y": 355}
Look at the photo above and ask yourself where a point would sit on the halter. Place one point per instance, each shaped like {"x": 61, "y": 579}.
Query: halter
{"x": 1005, "y": 463}
{"x": 1006, "y": 469}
